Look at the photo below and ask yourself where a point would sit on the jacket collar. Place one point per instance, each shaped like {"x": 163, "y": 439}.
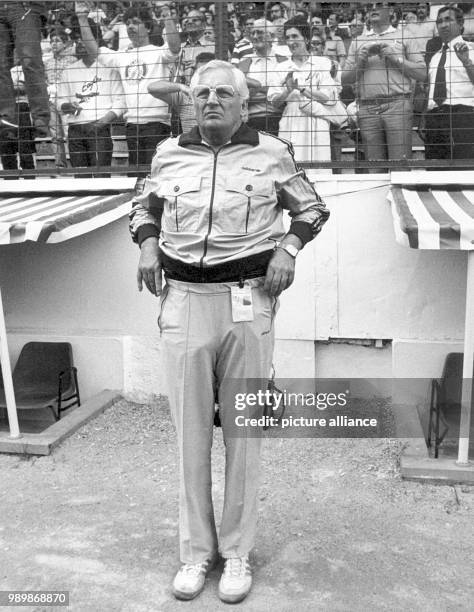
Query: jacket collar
{"x": 244, "y": 135}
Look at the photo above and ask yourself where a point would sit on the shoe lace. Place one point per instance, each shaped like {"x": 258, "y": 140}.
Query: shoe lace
{"x": 194, "y": 569}
{"x": 236, "y": 566}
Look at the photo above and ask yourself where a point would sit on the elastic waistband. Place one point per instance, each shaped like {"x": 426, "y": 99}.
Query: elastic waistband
{"x": 233, "y": 271}
{"x": 211, "y": 288}
{"x": 384, "y": 99}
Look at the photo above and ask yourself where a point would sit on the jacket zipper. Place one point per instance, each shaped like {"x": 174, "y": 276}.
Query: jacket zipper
{"x": 211, "y": 204}
{"x": 176, "y": 212}
{"x": 248, "y": 215}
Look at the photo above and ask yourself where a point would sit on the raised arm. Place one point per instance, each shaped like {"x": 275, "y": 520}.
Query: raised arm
{"x": 82, "y": 11}
{"x": 163, "y": 90}
{"x": 171, "y": 33}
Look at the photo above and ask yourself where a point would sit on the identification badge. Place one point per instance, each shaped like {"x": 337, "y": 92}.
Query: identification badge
{"x": 242, "y": 304}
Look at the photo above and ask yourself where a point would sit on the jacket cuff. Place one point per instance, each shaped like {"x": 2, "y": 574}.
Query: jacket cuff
{"x": 146, "y": 231}
{"x": 303, "y": 230}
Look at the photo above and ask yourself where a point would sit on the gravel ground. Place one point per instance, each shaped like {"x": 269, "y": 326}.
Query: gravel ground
{"x": 338, "y": 528}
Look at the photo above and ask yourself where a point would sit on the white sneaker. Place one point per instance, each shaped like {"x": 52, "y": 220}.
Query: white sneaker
{"x": 190, "y": 579}
{"x": 236, "y": 580}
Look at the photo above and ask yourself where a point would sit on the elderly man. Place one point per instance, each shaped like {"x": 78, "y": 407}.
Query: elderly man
{"x": 263, "y": 72}
{"x": 383, "y": 65}
{"x": 195, "y": 43}
{"x": 214, "y": 227}
{"x": 449, "y": 127}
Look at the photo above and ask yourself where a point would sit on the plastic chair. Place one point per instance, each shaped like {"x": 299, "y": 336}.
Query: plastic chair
{"x": 44, "y": 377}
{"x": 445, "y": 399}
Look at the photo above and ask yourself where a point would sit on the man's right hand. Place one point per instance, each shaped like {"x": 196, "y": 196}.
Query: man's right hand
{"x": 83, "y": 8}
{"x": 149, "y": 267}
{"x": 362, "y": 58}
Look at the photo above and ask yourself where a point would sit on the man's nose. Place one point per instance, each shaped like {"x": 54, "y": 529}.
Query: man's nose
{"x": 212, "y": 98}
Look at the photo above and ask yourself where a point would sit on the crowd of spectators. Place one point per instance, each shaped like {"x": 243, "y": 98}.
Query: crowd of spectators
{"x": 326, "y": 76}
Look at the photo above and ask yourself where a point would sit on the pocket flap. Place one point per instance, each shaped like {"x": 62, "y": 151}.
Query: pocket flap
{"x": 178, "y": 186}
{"x": 249, "y": 186}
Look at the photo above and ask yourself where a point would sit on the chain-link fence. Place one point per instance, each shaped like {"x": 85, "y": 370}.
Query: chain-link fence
{"x": 93, "y": 87}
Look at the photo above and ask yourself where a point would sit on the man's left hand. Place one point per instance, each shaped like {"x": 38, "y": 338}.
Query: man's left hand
{"x": 462, "y": 51}
{"x": 280, "y": 273}
{"x": 390, "y": 52}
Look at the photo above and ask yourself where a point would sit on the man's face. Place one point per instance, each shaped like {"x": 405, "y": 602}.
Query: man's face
{"x": 193, "y": 22}
{"x": 57, "y": 44}
{"x": 317, "y": 22}
{"x": 421, "y": 12}
{"x": 137, "y": 31}
{"x": 248, "y": 26}
{"x": 357, "y": 27}
{"x": 380, "y": 13}
{"x": 275, "y": 12}
{"x": 209, "y": 33}
{"x": 332, "y": 20}
{"x": 218, "y": 113}
{"x": 317, "y": 45}
{"x": 260, "y": 38}
{"x": 448, "y": 26}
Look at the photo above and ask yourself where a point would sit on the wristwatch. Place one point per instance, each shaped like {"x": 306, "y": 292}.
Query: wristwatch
{"x": 290, "y": 249}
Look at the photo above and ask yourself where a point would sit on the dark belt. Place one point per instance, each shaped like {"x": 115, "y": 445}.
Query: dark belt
{"x": 229, "y": 272}
{"x": 384, "y": 99}
{"x": 448, "y": 108}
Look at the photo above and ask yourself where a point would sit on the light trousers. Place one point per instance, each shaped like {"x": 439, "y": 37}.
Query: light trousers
{"x": 386, "y": 129}
{"x": 202, "y": 349}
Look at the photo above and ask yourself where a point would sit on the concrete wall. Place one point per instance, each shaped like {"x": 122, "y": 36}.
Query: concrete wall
{"x": 353, "y": 282}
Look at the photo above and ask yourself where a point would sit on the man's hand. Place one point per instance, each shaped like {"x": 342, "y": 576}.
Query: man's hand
{"x": 391, "y": 52}
{"x": 149, "y": 267}
{"x": 83, "y": 8}
{"x": 362, "y": 58}
{"x": 165, "y": 12}
{"x": 185, "y": 89}
{"x": 462, "y": 51}
{"x": 71, "y": 108}
{"x": 280, "y": 273}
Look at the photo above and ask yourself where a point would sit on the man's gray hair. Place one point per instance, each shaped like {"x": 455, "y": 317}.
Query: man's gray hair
{"x": 235, "y": 74}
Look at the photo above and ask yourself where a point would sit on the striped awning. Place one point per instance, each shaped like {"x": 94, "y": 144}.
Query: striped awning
{"x": 433, "y": 217}
{"x": 56, "y": 216}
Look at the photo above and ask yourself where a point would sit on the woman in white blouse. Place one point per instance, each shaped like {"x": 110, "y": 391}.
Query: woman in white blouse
{"x": 308, "y": 78}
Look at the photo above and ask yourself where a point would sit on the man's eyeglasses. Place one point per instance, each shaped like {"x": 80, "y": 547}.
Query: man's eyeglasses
{"x": 316, "y": 43}
{"x": 257, "y": 33}
{"x": 223, "y": 92}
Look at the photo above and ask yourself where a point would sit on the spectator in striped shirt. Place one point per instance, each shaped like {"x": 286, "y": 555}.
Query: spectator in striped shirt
{"x": 243, "y": 47}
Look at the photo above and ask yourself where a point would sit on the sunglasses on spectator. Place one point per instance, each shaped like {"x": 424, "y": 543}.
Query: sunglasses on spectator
{"x": 257, "y": 32}
{"x": 223, "y": 92}
{"x": 315, "y": 43}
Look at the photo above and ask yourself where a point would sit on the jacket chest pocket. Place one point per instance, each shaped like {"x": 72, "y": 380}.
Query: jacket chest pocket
{"x": 245, "y": 204}
{"x": 182, "y": 203}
